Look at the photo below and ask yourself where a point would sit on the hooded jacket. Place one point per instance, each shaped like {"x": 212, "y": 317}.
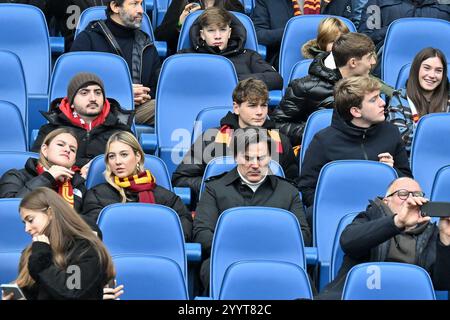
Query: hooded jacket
{"x": 311, "y": 49}
{"x": 90, "y": 143}
{"x": 189, "y": 172}
{"x": 248, "y": 63}
{"x": 344, "y": 141}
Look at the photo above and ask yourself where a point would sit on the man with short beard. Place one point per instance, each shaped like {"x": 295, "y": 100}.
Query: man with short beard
{"x": 120, "y": 34}
{"x": 89, "y": 114}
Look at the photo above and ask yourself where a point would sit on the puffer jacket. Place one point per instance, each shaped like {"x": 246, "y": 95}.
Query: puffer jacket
{"x": 311, "y": 49}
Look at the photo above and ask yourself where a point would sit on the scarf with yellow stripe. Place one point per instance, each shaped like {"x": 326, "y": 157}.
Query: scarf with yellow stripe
{"x": 311, "y": 7}
{"x": 143, "y": 183}
{"x": 65, "y": 188}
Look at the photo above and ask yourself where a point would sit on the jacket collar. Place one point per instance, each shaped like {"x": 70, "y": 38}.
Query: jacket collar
{"x": 232, "y": 176}
{"x": 319, "y": 69}
{"x": 232, "y": 120}
{"x": 351, "y": 130}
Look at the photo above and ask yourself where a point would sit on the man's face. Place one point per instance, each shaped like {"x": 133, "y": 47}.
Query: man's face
{"x": 371, "y": 111}
{"x": 253, "y": 165}
{"x": 363, "y": 66}
{"x": 251, "y": 113}
{"x": 396, "y": 201}
{"x": 88, "y": 101}
{"x": 216, "y": 36}
{"x": 130, "y": 14}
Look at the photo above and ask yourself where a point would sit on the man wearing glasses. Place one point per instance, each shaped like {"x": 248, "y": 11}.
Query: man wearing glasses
{"x": 392, "y": 229}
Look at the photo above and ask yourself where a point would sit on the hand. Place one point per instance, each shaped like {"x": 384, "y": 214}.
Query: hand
{"x": 112, "y": 293}
{"x": 141, "y": 94}
{"x": 190, "y": 7}
{"x": 444, "y": 231}
{"x": 8, "y": 297}
{"x": 409, "y": 215}
{"x": 60, "y": 173}
{"x": 85, "y": 169}
{"x": 386, "y": 158}
{"x": 41, "y": 238}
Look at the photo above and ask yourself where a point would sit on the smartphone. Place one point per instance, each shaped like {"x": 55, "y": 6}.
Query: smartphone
{"x": 194, "y": 1}
{"x": 436, "y": 209}
{"x": 112, "y": 283}
{"x": 13, "y": 288}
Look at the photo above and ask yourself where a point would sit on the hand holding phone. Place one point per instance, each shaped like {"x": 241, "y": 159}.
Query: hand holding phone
{"x": 435, "y": 209}
{"x": 13, "y": 289}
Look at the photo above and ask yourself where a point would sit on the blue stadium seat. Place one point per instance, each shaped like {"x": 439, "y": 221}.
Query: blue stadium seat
{"x": 9, "y": 266}
{"x": 159, "y": 10}
{"x": 14, "y": 160}
{"x": 249, "y": 5}
{"x": 388, "y": 281}
{"x": 12, "y": 128}
{"x": 12, "y": 83}
{"x": 254, "y": 233}
{"x": 441, "y": 185}
{"x": 208, "y": 80}
{"x": 404, "y": 74}
{"x": 147, "y": 277}
{"x": 430, "y": 151}
{"x": 343, "y": 187}
{"x": 98, "y": 13}
{"x": 265, "y": 280}
{"x": 297, "y": 32}
{"x": 23, "y": 30}
{"x": 300, "y": 69}
{"x": 12, "y": 231}
{"x": 317, "y": 121}
{"x": 406, "y": 37}
{"x": 208, "y": 118}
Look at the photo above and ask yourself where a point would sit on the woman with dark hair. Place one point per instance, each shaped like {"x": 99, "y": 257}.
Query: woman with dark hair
{"x": 178, "y": 10}
{"x": 427, "y": 91}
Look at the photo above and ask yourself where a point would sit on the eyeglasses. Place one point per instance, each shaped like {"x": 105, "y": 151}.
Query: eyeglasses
{"x": 404, "y": 194}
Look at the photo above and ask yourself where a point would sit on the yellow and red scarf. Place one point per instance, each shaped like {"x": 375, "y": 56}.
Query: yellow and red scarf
{"x": 65, "y": 188}
{"x": 143, "y": 183}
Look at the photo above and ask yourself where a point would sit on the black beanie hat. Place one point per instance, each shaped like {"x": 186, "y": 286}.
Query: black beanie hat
{"x": 82, "y": 80}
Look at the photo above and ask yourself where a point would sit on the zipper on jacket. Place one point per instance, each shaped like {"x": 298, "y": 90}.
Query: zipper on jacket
{"x": 142, "y": 57}
{"x": 362, "y": 146}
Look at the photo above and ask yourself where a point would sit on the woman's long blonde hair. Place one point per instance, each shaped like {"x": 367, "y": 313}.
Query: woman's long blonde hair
{"x": 64, "y": 228}
{"x": 130, "y": 140}
{"x": 43, "y": 161}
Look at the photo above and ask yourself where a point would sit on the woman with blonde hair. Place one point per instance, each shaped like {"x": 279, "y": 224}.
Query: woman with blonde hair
{"x": 66, "y": 260}
{"x": 128, "y": 181}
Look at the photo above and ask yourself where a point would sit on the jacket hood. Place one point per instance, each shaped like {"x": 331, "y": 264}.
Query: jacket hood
{"x": 319, "y": 70}
{"x": 351, "y": 130}
{"x": 231, "y": 119}
{"x": 310, "y": 49}
{"x": 235, "y": 43}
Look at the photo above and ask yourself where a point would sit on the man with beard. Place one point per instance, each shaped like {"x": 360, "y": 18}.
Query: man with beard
{"x": 120, "y": 34}
{"x": 89, "y": 114}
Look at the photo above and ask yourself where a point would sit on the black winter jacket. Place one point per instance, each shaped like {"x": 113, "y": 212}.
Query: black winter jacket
{"x": 368, "y": 238}
{"x": 248, "y": 63}
{"x": 227, "y": 191}
{"x": 344, "y": 141}
{"x": 52, "y": 281}
{"x": 168, "y": 30}
{"x": 90, "y": 143}
{"x": 93, "y": 38}
{"x": 189, "y": 172}
{"x": 104, "y": 194}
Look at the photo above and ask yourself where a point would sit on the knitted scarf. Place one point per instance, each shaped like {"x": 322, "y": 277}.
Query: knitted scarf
{"x": 311, "y": 7}
{"x": 65, "y": 188}
{"x": 75, "y": 119}
{"x": 143, "y": 183}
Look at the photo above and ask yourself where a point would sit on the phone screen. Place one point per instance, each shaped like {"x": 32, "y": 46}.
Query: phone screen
{"x": 13, "y": 288}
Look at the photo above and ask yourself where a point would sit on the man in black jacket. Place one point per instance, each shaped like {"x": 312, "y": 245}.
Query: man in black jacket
{"x": 120, "y": 34}
{"x": 92, "y": 117}
{"x": 250, "y": 108}
{"x": 392, "y": 229}
{"x": 250, "y": 184}
{"x": 357, "y": 131}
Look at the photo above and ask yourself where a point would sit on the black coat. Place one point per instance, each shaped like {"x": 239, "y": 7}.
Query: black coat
{"x": 305, "y": 95}
{"x": 391, "y": 10}
{"x": 94, "y": 39}
{"x": 168, "y": 30}
{"x": 189, "y": 172}
{"x": 104, "y": 194}
{"x": 367, "y": 239}
{"x": 52, "y": 282}
{"x": 248, "y": 63}
{"x": 343, "y": 141}
{"x": 90, "y": 143}
{"x": 226, "y": 191}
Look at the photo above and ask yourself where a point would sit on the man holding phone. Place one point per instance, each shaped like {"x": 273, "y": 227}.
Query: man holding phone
{"x": 393, "y": 229}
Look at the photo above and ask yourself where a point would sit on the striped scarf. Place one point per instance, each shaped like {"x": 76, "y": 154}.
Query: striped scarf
{"x": 143, "y": 183}
{"x": 311, "y": 7}
{"x": 65, "y": 188}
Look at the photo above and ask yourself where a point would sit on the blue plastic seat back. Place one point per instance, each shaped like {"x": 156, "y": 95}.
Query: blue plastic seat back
{"x": 343, "y": 187}
{"x": 159, "y": 10}
{"x": 207, "y": 119}
{"x": 300, "y": 70}
{"x": 184, "y": 40}
{"x": 14, "y": 160}
{"x": 98, "y": 13}
{"x": 254, "y": 233}
{"x": 297, "y": 32}
{"x": 430, "y": 151}
{"x": 249, "y": 5}
{"x": 156, "y": 166}
{"x": 406, "y": 37}
{"x": 147, "y": 277}
{"x": 142, "y": 228}
{"x": 12, "y": 83}
{"x": 441, "y": 185}
{"x": 403, "y": 75}
{"x": 317, "y": 121}
{"x": 12, "y": 128}
{"x": 265, "y": 280}
{"x": 12, "y": 231}
{"x": 388, "y": 281}
{"x": 9, "y": 266}
{"x": 111, "y": 68}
